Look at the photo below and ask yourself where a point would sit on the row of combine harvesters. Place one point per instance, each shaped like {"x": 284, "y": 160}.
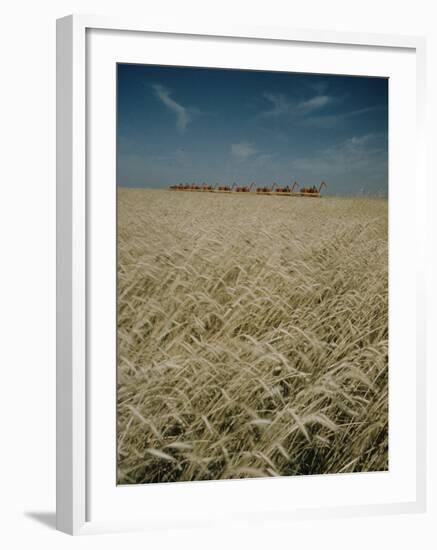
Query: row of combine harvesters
{"x": 275, "y": 190}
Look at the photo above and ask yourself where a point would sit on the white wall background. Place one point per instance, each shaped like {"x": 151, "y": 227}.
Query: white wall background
{"x": 27, "y": 271}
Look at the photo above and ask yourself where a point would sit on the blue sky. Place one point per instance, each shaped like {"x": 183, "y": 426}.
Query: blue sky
{"x": 178, "y": 124}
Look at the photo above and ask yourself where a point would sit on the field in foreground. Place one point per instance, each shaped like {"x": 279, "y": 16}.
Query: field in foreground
{"x": 252, "y": 336}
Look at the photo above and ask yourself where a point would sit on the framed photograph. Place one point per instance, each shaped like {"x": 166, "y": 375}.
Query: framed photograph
{"x": 240, "y": 275}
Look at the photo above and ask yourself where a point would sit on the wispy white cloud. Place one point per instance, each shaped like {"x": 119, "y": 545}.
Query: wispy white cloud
{"x": 365, "y": 154}
{"x": 243, "y": 150}
{"x": 328, "y": 121}
{"x": 316, "y": 102}
{"x": 282, "y": 105}
{"x": 319, "y": 86}
{"x": 183, "y": 117}
{"x": 307, "y": 113}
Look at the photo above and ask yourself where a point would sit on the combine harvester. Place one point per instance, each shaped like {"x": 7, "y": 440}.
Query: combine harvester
{"x": 273, "y": 190}
{"x": 185, "y": 187}
{"x": 265, "y": 190}
{"x": 286, "y": 191}
{"x": 208, "y": 188}
{"x": 225, "y": 188}
{"x": 244, "y": 189}
{"x": 312, "y": 191}
{"x": 195, "y": 187}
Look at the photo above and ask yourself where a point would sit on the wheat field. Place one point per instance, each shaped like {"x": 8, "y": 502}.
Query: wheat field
{"x": 252, "y": 336}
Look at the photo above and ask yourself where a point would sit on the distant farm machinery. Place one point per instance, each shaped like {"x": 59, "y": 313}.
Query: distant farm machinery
{"x": 244, "y": 189}
{"x": 312, "y": 191}
{"x": 287, "y": 191}
{"x": 225, "y": 188}
{"x": 273, "y": 190}
{"x": 265, "y": 190}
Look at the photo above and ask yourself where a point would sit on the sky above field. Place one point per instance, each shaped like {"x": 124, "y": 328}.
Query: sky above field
{"x": 179, "y": 125}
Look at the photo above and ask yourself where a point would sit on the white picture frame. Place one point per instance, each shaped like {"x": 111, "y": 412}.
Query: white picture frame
{"x": 74, "y": 341}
